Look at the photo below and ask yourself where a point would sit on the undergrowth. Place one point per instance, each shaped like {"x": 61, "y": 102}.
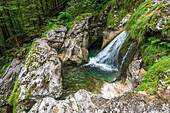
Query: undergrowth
{"x": 153, "y": 49}
{"x": 117, "y": 12}
{"x": 75, "y": 10}
{"x": 152, "y": 76}
{"x": 13, "y": 99}
{"x": 144, "y": 21}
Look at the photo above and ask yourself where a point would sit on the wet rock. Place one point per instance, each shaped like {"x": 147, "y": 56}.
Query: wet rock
{"x": 7, "y": 81}
{"x": 40, "y": 77}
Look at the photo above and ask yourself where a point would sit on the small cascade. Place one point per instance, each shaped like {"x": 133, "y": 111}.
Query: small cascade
{"x": 102, "y": 68}
{"x": 105, "y": 64}
{"x": 107, "y": 59}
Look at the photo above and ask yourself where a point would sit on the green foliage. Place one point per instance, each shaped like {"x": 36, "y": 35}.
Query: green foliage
{"x": 31, "y": 60}
{"x": 144, "y": 20}
{"x": 13, "y": 99}
{"x": 2, "y": 108}
{"x": 116, "y": 9}
{"x": 5, "y": 62}
{"x": 152, "y": 76}
{"x": 153, "y": 49}
{"x": 75, "y": 11}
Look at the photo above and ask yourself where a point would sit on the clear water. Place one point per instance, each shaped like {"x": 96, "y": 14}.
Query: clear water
{"x": 101, "y": 67}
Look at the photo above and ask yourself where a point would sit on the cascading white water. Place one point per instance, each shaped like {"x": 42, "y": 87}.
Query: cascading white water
{"x": 107, "y": 59}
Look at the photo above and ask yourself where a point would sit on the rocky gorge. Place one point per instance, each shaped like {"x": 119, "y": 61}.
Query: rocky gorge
{"x": 37, "y": 82}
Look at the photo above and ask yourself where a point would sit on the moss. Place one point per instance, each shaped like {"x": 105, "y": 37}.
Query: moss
{"x": 31, "y": 59}
{"x": 28, "y": 49}
{"x": 167, "y": 80}
{"x": 152, "y": 76}
{"x": 13, "y": 99}
{"x": 48, "y": 28}
{"x": 111, "y": 19}
{"x": 144, "y": 20}
{"x": 2, "y": 108}
{"x": 115, "y": 8}
{"x": 152, "y": 50}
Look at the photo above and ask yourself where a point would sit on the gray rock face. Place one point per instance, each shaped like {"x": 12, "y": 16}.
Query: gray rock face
{"x": 85, "y": 102}
{"x": 73, "y": 48}
{"x": 7, "y": 81}
{"x": 46, "y": 105}
{"x": 41, "y": 75}
{"x": 73, "y": 52}
{"x": 56, "y": 37}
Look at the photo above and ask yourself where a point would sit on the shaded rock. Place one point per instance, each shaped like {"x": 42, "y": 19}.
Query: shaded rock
{"x": 22, "y": 53}
{"x": 40, "y": 77}
{"x": 7, "y": 81}
{"x": 127, "y": 58}
{"x": 73, "y": 52}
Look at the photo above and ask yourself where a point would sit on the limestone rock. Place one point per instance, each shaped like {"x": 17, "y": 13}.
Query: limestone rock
{"x": 86, "y": 102}
{"x": 124, "y": 20}
{"x": 7, "y": 81}
{"x": 56, "y": 37}
{"x": 74, "y": 53}
{"x": 46, "y": 105}
{"x": 82, "y": 101}
{"x": 41, "y": 75}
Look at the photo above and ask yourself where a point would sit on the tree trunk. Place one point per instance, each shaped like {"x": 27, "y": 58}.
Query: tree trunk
{"x": 42, "y": 9}
{"x": 10, "y": 22}
{"x": 5, "y": 33}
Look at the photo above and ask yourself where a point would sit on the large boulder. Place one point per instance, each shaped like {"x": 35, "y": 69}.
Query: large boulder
{"x": 86, "y": 102}
{"x": 56, "y": 37}
{"x": 8, "y": 79}
{"x": 40, "y": 77}
{"x": 46, "y": 105}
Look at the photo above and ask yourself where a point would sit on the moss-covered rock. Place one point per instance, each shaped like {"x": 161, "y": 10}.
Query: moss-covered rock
{"x": 149, "y": 19}
{"x": 40, "y": 77}
{"x": 153, "y": 76}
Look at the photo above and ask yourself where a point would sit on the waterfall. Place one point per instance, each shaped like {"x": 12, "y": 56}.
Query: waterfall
{"x": 105, "y": 63}
{"x": 104, "y": 66}
{"x": 107, "y": 59}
